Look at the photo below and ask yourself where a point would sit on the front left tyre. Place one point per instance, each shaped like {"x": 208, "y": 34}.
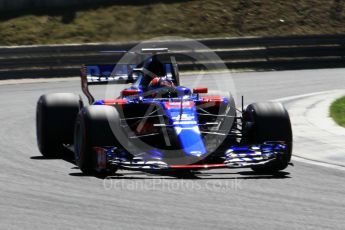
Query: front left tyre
{"x": 93, "y": 129}
{"x": 269, "y": 121}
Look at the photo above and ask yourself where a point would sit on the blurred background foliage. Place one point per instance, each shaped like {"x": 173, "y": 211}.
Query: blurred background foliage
{"x": 134, "y": 20}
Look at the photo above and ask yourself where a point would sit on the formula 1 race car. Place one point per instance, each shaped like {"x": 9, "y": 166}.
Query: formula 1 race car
{"x": 158, "y": 125}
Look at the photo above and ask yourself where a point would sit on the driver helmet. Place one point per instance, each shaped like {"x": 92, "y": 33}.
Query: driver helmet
{"x": 159, "y": 82}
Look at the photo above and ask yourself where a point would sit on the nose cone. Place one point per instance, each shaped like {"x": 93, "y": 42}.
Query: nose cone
{"x": 190, "y": 139}
{"x": 185, "y": 122}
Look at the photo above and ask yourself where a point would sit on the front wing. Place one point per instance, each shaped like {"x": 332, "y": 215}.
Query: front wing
{"x": 234, "y": 157}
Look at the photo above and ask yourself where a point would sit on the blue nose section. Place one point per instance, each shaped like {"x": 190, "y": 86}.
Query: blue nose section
{"x": 184, "y": 119}
{"x": 190, "y": 139}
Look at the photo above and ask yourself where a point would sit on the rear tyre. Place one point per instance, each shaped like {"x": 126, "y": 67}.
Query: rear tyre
{"x": 269, "y": 122}
{"x": 55, "y": 117}
{"x": 92, "y": 128}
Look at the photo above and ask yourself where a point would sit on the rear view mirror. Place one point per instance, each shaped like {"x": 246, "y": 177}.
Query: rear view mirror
{"x": 200, "y": 90}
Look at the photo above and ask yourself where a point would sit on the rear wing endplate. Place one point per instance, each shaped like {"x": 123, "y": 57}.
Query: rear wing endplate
{"x": 104, "y": 74}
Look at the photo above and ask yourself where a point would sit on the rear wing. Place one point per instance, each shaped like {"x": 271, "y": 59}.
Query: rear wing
{"x": 104, "y": 74}
{"x": 122, "y": 73}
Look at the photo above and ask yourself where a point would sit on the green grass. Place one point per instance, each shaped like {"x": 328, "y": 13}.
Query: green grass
{"x": 139, "y": 20}
{"x": 338, "y": 111}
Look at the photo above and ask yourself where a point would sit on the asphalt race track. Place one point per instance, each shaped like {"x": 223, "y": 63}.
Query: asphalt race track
{"x": 37, "y": 193}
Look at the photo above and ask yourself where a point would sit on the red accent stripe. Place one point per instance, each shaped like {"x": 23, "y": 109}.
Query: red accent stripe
{"x": 204, "y": 166}
{"x": 115, "y": 101}
{"x": 177, "y": 105}
{"x": 212, "y": 98}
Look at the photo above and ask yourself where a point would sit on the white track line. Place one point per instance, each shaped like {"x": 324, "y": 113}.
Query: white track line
{"x": 320, "y": 141}
{"x": 318, "y": 163}
{"x": 36, "y": 80}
